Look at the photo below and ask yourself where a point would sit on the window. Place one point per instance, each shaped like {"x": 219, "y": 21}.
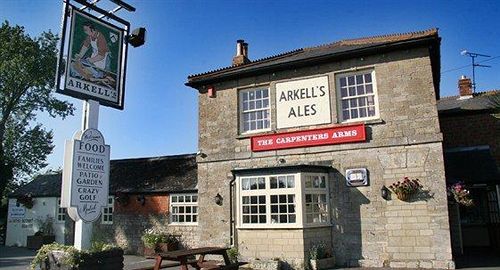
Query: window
{"x": 184, "y": 208}
{"x": 107, "y": 212}
{"x": 316, "y": 199}
{"x": 276, "y": 200}
{"x": 61, "y": 212}
{"x": 254, "y": 110}
{"x": 358, "y": 98}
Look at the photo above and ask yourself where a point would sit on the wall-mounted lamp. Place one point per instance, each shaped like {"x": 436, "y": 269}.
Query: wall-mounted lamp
{"x": 384, "y": 192}
{"x": 281, "y": 161}
{"x": 201, "y": 154}
{"x": 141, "y": 199}
{"x": 218, "y": 199}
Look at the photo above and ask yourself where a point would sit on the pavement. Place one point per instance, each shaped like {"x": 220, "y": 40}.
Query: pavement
{"x": 16, "y": 258}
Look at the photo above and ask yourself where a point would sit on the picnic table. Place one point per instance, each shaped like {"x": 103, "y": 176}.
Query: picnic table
{"x": 184, "y": 259}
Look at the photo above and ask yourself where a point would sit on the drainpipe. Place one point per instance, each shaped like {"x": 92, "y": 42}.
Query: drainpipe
{"x": 232, "y": 230}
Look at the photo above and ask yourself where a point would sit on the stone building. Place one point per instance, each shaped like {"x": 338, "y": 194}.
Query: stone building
{"x": 297, "y": 147}
{"x": 471, "y": 129}
{"x": 158, "y": 193}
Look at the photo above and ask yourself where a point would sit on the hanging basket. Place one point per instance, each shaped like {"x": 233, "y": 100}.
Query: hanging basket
{"x": 403, "y": 196}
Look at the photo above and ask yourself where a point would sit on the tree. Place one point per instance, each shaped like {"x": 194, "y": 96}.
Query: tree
{"x": 27, "y": 78}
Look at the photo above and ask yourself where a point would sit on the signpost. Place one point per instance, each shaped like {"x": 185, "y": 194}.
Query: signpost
{"x": 94, "y": 71}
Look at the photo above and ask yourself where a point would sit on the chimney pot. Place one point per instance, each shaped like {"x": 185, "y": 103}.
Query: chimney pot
{"x": 241, "y": 53}
{"x": 465, "y": 86}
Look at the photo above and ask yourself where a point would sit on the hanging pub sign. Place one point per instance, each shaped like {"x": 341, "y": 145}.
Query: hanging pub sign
{"x": 95, "y": 62}
{"x": 86, "y": 174}
{"x": 303, "y": 103}
{"x": 317, "y": 137}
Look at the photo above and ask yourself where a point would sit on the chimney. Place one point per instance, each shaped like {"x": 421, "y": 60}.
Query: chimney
{"x": 465, "y": 87}
{"x": 241, "y": 53}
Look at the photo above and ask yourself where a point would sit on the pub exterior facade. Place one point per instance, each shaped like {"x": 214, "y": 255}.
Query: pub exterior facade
{"x": 296, "y": 148}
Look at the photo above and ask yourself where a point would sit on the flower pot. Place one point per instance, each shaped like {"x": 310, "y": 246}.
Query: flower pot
{"x": 325, "y": 263}
{"x": 148, "y": 252}
{"x": 165, "y": 247}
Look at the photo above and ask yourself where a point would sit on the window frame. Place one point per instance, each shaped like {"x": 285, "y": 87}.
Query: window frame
{"x": 340, "y": 75}
{"x": 60, "y": 212}
{"x": 110, "y": 205}
{"x": 190, "y": 204}
{"x": 298, "y": 191}
{"x": 241, "y": 111}
{"x": 316, "y": 191}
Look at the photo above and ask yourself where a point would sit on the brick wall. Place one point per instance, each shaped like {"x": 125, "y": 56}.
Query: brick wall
{"x": 471, "y": 130}
{"x": 367, "y": 230}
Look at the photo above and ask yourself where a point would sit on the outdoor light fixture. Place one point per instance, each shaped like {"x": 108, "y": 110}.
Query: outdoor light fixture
{"x": 384, "y": 192}
{"x": 137, "y": 37}
{"x": 218, "y": 199}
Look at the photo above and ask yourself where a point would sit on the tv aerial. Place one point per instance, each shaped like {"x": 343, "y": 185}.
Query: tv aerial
{"x": 474, "y": 65}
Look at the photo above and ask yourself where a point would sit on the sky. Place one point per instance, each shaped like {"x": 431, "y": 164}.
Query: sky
{"x": 184, "y": 37}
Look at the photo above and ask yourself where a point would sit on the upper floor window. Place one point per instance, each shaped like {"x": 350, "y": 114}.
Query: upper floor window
{"x": 357, "y": 96}
{"x": 184, "y": 208}
{"x": 254, "y": 110}
{"x": 107, "y": 212}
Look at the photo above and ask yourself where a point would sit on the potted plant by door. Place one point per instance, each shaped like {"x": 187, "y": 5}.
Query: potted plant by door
{"x": 320, "y": 258}
{"x": 151, "y": 238}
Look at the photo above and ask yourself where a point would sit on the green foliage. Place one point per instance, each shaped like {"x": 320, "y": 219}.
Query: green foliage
{"x": 152, "y": 237}
{"x": 46, "y": 226}
{"x": 27, "y": 77}
{"x": 233, "y": 254}
{"x": 317, "y": 252}
{"x": 72, "y": 257}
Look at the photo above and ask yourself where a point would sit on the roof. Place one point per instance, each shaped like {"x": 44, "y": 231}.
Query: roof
{"x": 141, "y": 175}
{"x": 473, "y": 166}
{"x": 484, "y": 101}
{"x": 347, "y": 48}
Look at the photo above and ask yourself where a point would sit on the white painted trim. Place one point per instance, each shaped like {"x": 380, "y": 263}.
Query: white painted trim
{"x": 299, "y": 191}
{"x": 338, "y": 96}
{"x": 183, "y": 204}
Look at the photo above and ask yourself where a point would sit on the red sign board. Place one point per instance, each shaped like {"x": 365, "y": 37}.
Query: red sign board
{"x": 327, "y": 136}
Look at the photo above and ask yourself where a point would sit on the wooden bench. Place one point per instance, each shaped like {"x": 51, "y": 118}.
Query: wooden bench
{"x": 167, "y": 265}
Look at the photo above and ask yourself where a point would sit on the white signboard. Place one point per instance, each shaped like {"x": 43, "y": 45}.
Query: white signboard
{"x": 303, "y": 103}
{"x": 16, "y": 210}
{"x": 86, "y": 175}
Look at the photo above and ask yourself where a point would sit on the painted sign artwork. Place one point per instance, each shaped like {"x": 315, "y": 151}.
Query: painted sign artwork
{"x": 94, "y": 60}
{"x": 317, "y": 137}
{"x": 86, "y": 176}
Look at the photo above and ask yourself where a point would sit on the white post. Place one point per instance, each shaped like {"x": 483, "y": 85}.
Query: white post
{"x": 83, "y": 230}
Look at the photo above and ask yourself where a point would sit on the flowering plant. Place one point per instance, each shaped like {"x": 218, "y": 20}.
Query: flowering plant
{"x": 406, "y": 188}
{"x": 460, "y": 194}
{"x": 152, "y": 237}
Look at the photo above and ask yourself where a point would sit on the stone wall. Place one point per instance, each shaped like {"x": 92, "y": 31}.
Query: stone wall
{"x": 366, "y": 229}
{"x": 131, "y": 220}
